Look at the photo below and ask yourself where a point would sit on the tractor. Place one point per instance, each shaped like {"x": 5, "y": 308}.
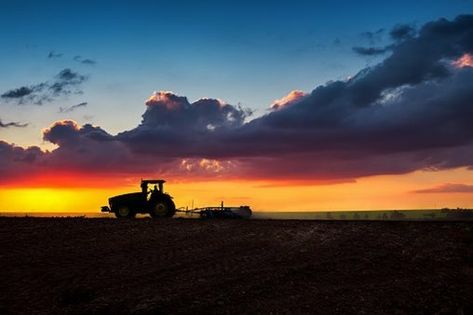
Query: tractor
{"x": 149, "y": 201}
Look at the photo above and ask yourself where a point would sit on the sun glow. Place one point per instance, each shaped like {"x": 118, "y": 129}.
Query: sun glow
{"x": 370, "y": 193}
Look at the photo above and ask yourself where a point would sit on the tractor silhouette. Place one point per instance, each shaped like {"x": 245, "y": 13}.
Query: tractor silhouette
{"x": 154, "y": 202}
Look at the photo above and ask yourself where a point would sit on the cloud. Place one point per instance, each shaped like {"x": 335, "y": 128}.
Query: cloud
{"x": 53, "y": 54}
{"x": 64, "y": 83}
{"x": 412, "y": 111}
{"x": 447, "y": 188}
{"x": 291, "y": 98}
{"x": 89, "y": 62}
{"x": 464, "y": 61}
{"x": 12, "y": 124}
{"x": 402, "y": 32}
{"x": 179, "y": 127}
{"x": 19, "y": 92}
{"x": 27, "y": 94}
{"x": 398, "y": 33}
{"x": 370, "y": 51}
{"x": 16, "y": 162}
{"x": 65, "y": 132}
{"x": 373, "y": 37}
{"x": 72, "y": 108}
{"x": 86, "y": 61}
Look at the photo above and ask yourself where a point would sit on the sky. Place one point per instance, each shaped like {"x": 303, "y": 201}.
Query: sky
{"x": 300, "y": 105}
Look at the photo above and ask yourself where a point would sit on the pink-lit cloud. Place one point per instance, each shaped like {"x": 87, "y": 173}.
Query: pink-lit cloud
{"x": 165, "y": 98}
{"x": 291, "y": 98}
{"x": 464, "y": 61}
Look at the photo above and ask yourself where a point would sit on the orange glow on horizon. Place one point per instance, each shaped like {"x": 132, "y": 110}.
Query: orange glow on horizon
{"x": 371, "y": 193}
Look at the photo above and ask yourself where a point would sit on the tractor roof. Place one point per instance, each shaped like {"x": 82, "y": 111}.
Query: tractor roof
{"x": 153, "y": 181}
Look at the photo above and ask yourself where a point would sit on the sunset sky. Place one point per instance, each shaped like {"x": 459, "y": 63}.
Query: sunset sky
{"x": 283, "y": 106}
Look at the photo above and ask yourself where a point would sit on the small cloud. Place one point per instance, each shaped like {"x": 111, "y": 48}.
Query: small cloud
{"x": 72, "y": 108}
{"x": 89, "y": 62}
{"x": 68, "y": 75}
{"x": 64, "y": 83}
{"x": 12, "y": 124}
{"x": 27, "y": 94}
{"x": 447, "y": 188}
{"x": 370, "y": 51}
{"x": 52, "y": 54}
{"x": 18, "y": 93}
{"x": 86, "y": 61}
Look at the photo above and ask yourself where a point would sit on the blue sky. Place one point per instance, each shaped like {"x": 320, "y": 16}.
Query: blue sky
{"x": 248, "y": 52}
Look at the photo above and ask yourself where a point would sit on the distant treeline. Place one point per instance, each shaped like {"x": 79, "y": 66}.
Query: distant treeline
{"x": 458, "y": 213}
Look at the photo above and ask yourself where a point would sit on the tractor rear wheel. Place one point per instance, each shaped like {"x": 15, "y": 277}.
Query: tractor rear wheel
{"x": 124, "y": 212}
{"x": 163, "y": 207}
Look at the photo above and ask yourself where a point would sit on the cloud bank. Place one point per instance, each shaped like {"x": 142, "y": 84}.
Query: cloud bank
{"x": 412, "y": 111}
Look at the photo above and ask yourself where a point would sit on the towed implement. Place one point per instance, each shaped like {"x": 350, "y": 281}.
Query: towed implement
{"x": 241, "y": 212}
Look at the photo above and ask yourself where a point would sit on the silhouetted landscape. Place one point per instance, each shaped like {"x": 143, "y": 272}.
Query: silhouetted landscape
{"x": 236, "y": 157}
{"x": 104, "y": 266}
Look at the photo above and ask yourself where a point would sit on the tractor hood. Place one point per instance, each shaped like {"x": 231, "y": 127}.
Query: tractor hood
{"x": 131, "y": 197}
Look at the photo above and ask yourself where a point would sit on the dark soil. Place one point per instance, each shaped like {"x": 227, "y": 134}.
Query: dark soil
{"x": 107, "y": 266}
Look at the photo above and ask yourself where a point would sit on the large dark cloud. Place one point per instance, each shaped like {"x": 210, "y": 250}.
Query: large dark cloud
{"x": 86, "y": 148}
{"x": 66, "y": 82}
{"x": 174, "y": 127}
{"x": 412, "y": 111}
{"x": 17, "y": 162}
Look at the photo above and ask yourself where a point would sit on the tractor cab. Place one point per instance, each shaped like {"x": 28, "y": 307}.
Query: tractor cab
{"x": 156, "y": 190}
{"x": 149, "y": 193}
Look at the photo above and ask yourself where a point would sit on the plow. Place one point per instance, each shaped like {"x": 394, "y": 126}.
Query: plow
{"x": 220, "y": 212}
{"x": 159, "y": 204}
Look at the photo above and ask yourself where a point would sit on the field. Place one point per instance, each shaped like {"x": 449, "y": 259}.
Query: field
{"x": 103, "y": 266}
{"x": 374, "y": 215}
{"x": 371, "y": 215}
